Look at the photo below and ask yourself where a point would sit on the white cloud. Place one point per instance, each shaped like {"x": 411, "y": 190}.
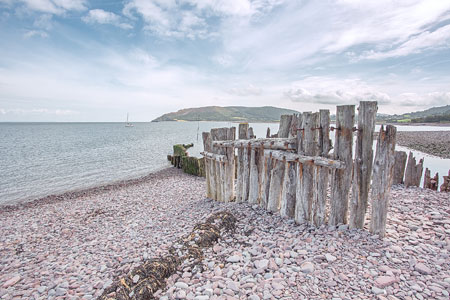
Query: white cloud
{"x": 424, "y": 100}
{"x": 105, "y": 17}
{"x": 416, "y": 44}
{"x": 55, "y": 6}
{"x": 44, "y": 21}
{"x": 33, "y": 33}
{"x": 324, "y": 90}
{"x": 249, "y": 90}
{"x": 37, "y": 111}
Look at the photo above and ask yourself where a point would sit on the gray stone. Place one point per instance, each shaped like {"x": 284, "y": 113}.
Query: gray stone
{"x": 181, "y": 285}
{"x": 234, "y": 259}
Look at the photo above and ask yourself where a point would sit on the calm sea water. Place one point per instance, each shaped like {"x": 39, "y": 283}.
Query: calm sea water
{"x": 40, "y": 159}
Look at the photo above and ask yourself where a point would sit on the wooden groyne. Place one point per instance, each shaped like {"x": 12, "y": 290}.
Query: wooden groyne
{"x": 181, "y": 159}
{"x": 292, "y": 172}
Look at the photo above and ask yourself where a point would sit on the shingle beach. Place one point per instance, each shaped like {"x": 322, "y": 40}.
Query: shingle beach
{"x": 73, "y": 246}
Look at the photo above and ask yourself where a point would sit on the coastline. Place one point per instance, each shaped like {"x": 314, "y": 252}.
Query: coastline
{"x": 76, "y": 248}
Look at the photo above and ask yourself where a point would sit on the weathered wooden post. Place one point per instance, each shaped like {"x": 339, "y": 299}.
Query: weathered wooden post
{"x": 430, "y": 183}
{"x": 445, "y": 186}
{"x": 241, "y": 164}
{"x": 382, "y": 179}
{"x": 266, "y": 171}
{"x": 287, "y": 207}
{"x": 321, "y": 173}
{"x": 341, "y": 180}
{"x": 399, "y": 167}
{"x": 229, "y": 193}
{"x": 277, "y": 175}
{"x": 305, "y": 190}
{"x": 209, "y": 167}
{"x": 362, "y": 168}
{"x": 413, "y": 173}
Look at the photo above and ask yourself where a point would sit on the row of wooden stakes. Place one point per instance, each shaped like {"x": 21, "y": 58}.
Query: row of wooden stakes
{"x": 294, "y": 174}
{"x": 410, "y": 173}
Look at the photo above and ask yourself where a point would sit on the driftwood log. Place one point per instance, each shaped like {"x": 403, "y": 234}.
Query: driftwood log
{"x": 383, "y": 168}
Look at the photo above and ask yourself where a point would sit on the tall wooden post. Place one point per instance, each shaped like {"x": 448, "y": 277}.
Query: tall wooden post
{"x": 229, "y": 192}
{"x": 241, "y": 164}
{"x": 305, "y": 190}
{"x": 382, "y": 179}
{"x": 209, "y": 174}
{"x": 399, "y": 167}
{"x": 321, "y": 173}
{"x": 287, "y": 207}
{"x": 277, "y": 173}
{"x": 413, "y": 173}
{"x": 341, "y": 180}
{"x": 362, "y": 168}
{"x": 253, "y": 190}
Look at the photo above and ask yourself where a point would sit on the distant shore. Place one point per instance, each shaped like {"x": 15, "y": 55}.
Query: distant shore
{"x": 419, "y": 124}
{"x": 436, "y": 143}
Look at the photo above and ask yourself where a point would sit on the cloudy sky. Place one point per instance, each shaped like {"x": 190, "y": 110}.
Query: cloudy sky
{"x": 96, "y": 60}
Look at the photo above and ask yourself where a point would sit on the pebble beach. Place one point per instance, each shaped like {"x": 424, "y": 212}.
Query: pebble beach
{"x": 72, "y": 246}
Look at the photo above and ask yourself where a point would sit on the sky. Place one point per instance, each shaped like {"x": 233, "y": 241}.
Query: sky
{"x": 97, "y": 60}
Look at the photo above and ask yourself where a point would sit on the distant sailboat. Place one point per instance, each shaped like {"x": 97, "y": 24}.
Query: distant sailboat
{"x": 128, "y": 124}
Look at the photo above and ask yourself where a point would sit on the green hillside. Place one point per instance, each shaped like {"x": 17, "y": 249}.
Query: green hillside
{"x": 228, "y": 113}
{"x": 434, "y": 114}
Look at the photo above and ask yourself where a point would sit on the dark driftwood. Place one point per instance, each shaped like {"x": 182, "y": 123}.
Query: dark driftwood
{"x": 382, "y": 179}
{"x": 413, "y": 173}
{"x": 399, "y": 167}
{"x": 341, "y": 180}
{"x": 362, "y": 168}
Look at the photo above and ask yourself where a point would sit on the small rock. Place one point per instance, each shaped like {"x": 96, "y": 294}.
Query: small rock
{"x": 135, "y": 278}
{"x": 307, "y": 267}
{"x": 234, "y": 259}
{"x": 330, "y": 258}
{"x": 384, "y": 281}
{"x": 377, "y": 291}
{"x": 422, "y": 269}
{"x": 11, "y": 281}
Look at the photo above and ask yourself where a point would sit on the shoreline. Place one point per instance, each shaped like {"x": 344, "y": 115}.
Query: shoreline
{"x": 75, "y": 193}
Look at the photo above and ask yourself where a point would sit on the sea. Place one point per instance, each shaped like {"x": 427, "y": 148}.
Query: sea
{"x": 41, "y": 159}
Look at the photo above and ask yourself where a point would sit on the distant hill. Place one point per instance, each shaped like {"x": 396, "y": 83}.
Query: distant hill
{"x": 432, "y": 114}
{"x": 227, "y": 113}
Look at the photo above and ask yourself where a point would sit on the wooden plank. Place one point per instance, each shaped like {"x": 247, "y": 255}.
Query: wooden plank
{"x": 243, "y": 129}
{"x": 321, "y": 173}
{"x": 341, "y": 178}
{"x": 317, "y": 160}
{"x": 362, "y": 167}
{"x": 399, "y": 167}
{"x": 253, "y": 193}
{"x": 271, "y": 143}
{"x": 214, "y": 156}
{"x": 445, "y": 186}
{"x": 219, "y": 134}
{"x": 382, "y": 179}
